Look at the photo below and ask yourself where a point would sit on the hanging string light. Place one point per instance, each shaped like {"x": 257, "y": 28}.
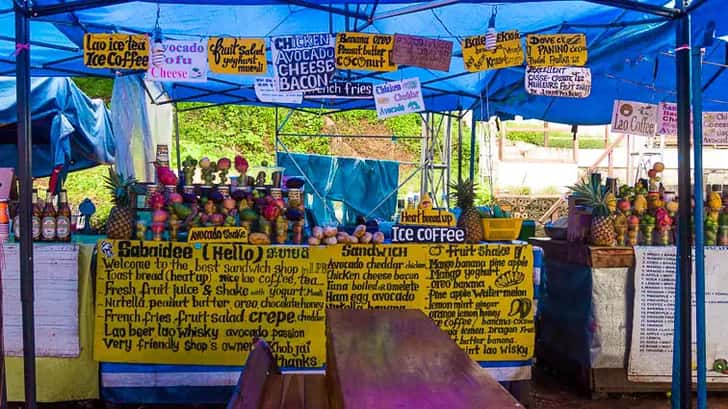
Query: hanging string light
{"x": 490, "y": 35}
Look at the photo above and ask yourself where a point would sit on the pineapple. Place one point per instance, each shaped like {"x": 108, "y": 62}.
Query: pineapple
{"x": 121, "y": 218}
{"x": 469, "y": 219}
{"x": 589, "y": 193}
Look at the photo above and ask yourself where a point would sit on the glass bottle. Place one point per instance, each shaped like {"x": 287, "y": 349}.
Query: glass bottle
{"x": 63, "y": 218}
{"x": 48, "y": 221}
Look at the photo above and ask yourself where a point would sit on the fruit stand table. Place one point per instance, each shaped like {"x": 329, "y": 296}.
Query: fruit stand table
{"x": 586, "y": 309}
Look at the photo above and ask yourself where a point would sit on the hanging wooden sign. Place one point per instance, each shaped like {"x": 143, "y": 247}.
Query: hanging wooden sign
{"x": 364, "y": 52}
{"x": 343, "y": 90}
{"x": 398, "y": 98}
{"x": 556, "y": 50}
{"x": 568, "y": 82}
{"x": 507, "y": 52}
{"x": 634, "y": 118}
{"x": 715, "y": 128}
{"x": 303, "y": 62}
{"x": 267, "y": 91}
{"x": 116, "y": 51}
{"x": 422, "y": 52}
{"x": 244, "y": 56}
{"x": 178, "y": 61}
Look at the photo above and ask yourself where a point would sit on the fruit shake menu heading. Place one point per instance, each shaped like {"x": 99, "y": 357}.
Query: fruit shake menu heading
{"x": 203, "y": 303}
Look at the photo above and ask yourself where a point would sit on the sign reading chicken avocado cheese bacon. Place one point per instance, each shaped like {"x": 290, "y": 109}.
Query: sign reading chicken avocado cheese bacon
{"x": 303, "y": 62}
{"x": 202, "y": 303}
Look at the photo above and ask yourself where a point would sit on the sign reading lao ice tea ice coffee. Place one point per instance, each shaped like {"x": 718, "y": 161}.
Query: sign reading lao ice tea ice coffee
{"x": 116, "y": 51}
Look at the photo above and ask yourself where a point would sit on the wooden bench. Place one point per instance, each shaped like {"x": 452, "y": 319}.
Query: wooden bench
{"x": 262, "y": 386}
{"x": 401, "y": 359}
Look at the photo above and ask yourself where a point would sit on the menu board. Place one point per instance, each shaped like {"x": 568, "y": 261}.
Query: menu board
{"x": 477, "y": 56}
{"x": 556, "y": 50}
{"x": 422, "y": 52}
{"x": 568, "y": 82}
{"x": 183, "y": 303}
{"x": 303, "y": 62}
{"x": 179, "y": 61}
{"x": 116, "y": 51}
{"x": 634, "y": 118}
{"x": 237, "y": 55}
{"x": 715, "y": 128}
{"x": 363, "y": 51}
{"x": 398, "y": 98}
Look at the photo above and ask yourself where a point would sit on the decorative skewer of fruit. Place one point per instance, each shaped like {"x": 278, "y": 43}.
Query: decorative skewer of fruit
{"x": 723, "y": 229}
{"x": 647, "y": 228}
{"x": 633, "y": 233}
{"x": 664, "y": 225}
{"x": 207, "y": 168}
{"x": 295, "y": 215}
{"x": 223, "y": 166}
{"x": 620, "y": 227}
{"x": 188, "y": 169}
{"x": 711, "y": 231}
{"x": 241, "y": 165}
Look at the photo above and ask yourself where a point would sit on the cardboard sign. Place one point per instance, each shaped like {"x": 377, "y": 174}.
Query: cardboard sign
{"x": 364, "y": 52}
{"x": 715, "y": 128}
{"x": 179, "y": 61}
{"x": 398, "y": 98}
{"x": 202, "y": 303}
{"x": 422, "y": 52}
{"x": 267, "y": 91}
{"x": 634, "y": 118}
{"x": 427, "y": 217}
{"x": 218, "y": 235}
{"x": 303, "y": 62}
{"x": 508, "y": 52}
{"x": 556, "y": 50}
{"x": 667, "y": 119}
{"x": 427, "y": 234}
{"x": 343, "y": 90}
{"x": 569, "y": 82}
{"x": 116, "y": 51}
{"x": 237, "y": 55}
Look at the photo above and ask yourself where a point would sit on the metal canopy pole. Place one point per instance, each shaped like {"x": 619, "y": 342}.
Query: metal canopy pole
{"x": 460, "y": 147}
{"x": 682, "y": 343}
{"x": 472, "y": 147}
{"x": 176, "y": 141}
{"x": 25, "y": 173}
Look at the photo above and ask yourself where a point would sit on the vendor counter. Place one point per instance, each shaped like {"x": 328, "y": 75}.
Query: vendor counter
{"x": 171, "y": 322}
{"x": 594, "y": 327}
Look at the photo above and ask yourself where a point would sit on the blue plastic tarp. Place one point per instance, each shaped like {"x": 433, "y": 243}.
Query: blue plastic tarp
{"x": 363, "y": 186}
{"x": 625, "y": 47}
{"x": 68, "y": 128}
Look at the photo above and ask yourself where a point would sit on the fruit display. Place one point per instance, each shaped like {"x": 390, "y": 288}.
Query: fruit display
{"x": 592, "y": 194}
{"x": 469, "y": 218}
{"x": 120, "y": 223}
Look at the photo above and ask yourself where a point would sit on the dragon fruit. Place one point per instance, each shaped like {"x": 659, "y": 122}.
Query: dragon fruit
{"x": 241, "y": 164}
{"x": 166, "y": 176}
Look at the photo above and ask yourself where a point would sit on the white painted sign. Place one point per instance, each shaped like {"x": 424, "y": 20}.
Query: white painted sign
{"x": 568, "y": 82}
{"x": 715, "y": 128}
{"x": 398, "y": 98}
{"x": 667, "y": 119}
{"x": 179, "y": 61}
{"x": 650, "y": 357}
{"x": 634, "y": 118}
{"x": 56, "y": 300}
{"x": 266, "y": 91}
{"x": 304, "y": 61}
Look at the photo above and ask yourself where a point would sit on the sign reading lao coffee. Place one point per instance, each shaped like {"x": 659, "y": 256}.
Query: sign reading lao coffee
{"x": 218, "y": 235}
{"x": 343, "y": 90}
{"x": 427, "y": 234}
{"x": 634, "y": 118}
{"x": 267, "y": 91}
{"x": 398, "y": 98}
{"x": 365, "y": 52}
{"x": 715, "y": 128}
{"x": 556, "y": 50}
{"x": 422, "y": 52}
{"x": 303, "y": 62}
{"x": 179, "y": 61}
{"x": 506, "y": 53}
{"x": 569, "y": 82}
{"x": 237, "y": 55}
{"x": 116, "y": 51}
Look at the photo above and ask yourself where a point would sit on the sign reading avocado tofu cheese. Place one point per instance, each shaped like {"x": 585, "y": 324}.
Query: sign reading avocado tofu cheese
{"x": 202, "y": 303}
{"x": 507, "y": 52}
{"x": 116, "y": 51}
{"x": 556, "y": 50}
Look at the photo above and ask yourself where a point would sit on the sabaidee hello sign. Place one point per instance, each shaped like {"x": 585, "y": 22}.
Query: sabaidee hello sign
{"x": 116, "y": 51}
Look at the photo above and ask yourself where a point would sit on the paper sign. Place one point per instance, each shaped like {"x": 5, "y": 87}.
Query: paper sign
{"x": 364, "y": 52}
{"x": 422, "y": 52}
{"x": 117, "y": 51}
{"x": 556, "y": 50}
{"x": 427, "y": 217}
{"x": 715, "y": 128}
{"x": 398, "y": 98}
{"x": 303, "y": 62}
{"x": 508, "y": 52}
{"x": 178, "y": 61}
{"x": 569, "y": 82}
{"x": 266, "y": 91}
{"x": 427, "y": 234}
{"x": 218, "y": 235}
{"x": 202, "y": 304}
{"x": 667, "y": 119}
{"x": 237, "y": 55}
{"x": 634, "y": 118}
{"x": 343, "y": 90}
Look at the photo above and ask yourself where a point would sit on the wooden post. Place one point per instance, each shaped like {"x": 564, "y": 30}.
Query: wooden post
{"x": 501, "y": 140}
{"x": 545, "y": 134}
{"x": 610, "y": 158}
{"x": 628, "y": 168}
{"x": 575, "y": 148}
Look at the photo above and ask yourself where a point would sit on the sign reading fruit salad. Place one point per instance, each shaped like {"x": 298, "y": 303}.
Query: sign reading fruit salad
{"x": 203, "y": 303}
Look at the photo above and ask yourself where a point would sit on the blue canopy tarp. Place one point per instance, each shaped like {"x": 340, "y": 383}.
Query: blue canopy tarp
{"x": 623, "y": 45}
{"x": 68, "y": 127}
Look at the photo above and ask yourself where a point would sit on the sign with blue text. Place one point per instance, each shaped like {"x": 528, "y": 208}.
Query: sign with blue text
{"x": 398, "y": 98}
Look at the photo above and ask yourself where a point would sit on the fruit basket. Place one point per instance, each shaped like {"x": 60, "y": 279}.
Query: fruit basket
{"x": 499, "y": 229}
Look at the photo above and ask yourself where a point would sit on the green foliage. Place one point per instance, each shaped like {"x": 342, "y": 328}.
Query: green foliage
{"x": 96, "y": 87}
{"x": 556, "y": 139}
